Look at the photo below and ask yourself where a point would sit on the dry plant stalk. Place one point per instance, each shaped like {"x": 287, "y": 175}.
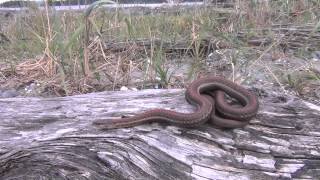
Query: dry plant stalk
{"x": 48, "y": 35}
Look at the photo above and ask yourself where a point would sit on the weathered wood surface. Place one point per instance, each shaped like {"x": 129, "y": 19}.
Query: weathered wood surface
{"x": 53, "y": 138}
{"x": 205, "y": 45}
{"x": 289, "y": 37}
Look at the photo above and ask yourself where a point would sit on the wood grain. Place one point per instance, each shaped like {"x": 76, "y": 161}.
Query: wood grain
{"x": 53, "y": 138}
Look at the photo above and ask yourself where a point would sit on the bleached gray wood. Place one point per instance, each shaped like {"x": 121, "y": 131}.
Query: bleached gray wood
{"x": 52, "y": 138}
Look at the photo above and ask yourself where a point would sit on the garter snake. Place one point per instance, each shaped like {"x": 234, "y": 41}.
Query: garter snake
{"x": 208, "y": 95}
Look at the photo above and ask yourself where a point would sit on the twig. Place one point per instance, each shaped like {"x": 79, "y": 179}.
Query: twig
{"x": 275, "y": 77}
{"x": 4, "y": 77}
{"x": 265, "y": 51}
{"x": 116, "y": 73}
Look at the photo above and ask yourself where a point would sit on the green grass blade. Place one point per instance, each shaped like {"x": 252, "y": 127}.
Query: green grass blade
{"x": 95, "y": 5}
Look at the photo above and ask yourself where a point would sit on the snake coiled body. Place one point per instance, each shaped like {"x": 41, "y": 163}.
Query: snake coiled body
{"x": 208, "y": 95}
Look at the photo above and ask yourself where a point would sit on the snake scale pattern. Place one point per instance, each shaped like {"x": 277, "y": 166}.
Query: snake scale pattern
{"x": 208, "y": 95}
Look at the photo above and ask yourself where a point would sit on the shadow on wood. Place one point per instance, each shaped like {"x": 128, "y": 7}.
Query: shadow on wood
{"x": 53, "y": 138}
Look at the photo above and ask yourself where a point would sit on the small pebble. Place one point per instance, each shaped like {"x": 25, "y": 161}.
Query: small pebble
{"x": 316, "y": 55}
{"x": 124, "y": 88}
{"x": 134, "y": 89}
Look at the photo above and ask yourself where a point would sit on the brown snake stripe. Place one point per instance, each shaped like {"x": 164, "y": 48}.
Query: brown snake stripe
{"x": 208, "y": 94}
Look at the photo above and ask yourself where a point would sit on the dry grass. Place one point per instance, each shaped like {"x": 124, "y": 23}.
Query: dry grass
{"x": 66, "y": 51}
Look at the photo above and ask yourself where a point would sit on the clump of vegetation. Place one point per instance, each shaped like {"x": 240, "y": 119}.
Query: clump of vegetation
{"x": 73, "y": 52}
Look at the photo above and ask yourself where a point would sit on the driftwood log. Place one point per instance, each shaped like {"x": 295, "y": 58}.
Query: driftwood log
{"x": 289, "y": 37}
{"x": 53, "y": 138}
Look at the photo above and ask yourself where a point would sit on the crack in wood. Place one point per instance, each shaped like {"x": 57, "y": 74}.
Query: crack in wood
{"x": 281, "y": 142}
